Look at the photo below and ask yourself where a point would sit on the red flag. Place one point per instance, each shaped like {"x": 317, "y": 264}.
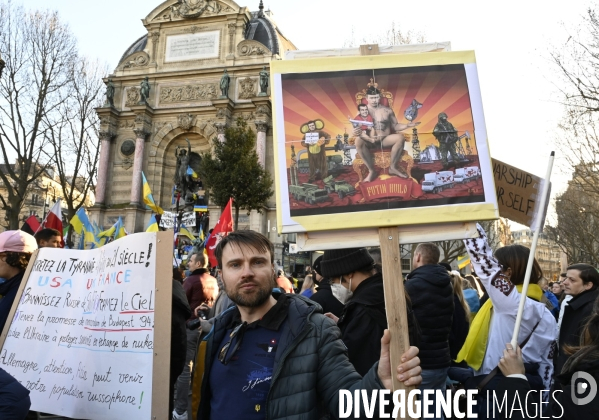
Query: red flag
{"x": 222, "y": 228}
{"x": 54, "y": 219}
{"x": 31, "y": 225}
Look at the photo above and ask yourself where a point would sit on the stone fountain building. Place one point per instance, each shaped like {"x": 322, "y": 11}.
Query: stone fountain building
{"x": 187, "y": 47}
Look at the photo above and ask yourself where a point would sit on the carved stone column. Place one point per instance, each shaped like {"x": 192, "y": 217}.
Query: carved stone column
{"x": 231, "y": 29}
{"x": 262, "y": 128}
{"x": 105, "y": 143}
{"x": 155, "y": 35}
{"x": 136, "y": 184}
{"x": 142, "y": 130}
{"x": 220, "y": 130}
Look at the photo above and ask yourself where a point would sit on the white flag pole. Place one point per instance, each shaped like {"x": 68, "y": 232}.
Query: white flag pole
{"x": 537, "y": 227}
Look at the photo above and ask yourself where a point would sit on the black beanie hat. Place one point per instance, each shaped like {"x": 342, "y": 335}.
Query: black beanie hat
{"x": 446, "y": 265}
{"x": 337, "y": 262}
{"x": 316, "y": 265}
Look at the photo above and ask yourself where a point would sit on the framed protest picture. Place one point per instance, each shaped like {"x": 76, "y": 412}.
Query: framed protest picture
{"x": 372, "y": 141}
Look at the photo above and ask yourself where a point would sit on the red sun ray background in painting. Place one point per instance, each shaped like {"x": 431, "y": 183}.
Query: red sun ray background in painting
{"x": 331, "y": 97}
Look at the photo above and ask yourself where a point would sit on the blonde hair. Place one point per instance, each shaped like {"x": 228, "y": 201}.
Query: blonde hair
{"x": 456, "y": 281}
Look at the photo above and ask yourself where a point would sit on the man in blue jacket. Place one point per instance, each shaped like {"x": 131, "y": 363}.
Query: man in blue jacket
{"x": 277, "y": 356}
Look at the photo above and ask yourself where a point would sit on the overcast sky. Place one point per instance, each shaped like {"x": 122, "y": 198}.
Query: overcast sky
{"x": 511, "y": 40}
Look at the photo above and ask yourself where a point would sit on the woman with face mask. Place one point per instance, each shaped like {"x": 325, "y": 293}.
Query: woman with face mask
{"x": 356, "y": 283}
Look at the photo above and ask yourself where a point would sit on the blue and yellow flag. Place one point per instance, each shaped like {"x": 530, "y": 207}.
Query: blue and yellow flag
{"x": 120, "y": 231}
{"x": 463, "y": 261}
{"x": 200, "y": 208}
{"x": 186, "y": 232}
{"x": 84, "y": 227}
{"x": 79, "y": 219}
{"x": 153, "y": 225}
{"x": 191, "y": 172}
{"x": 148, "y": 198}
{"x": 116, "y": 231}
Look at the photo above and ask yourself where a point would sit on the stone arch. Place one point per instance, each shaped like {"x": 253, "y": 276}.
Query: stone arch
{"x": 162, "y": 162}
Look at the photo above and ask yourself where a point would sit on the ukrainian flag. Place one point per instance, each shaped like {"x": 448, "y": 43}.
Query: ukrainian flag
{"x": 153, "y": 225}
{"x": 186, "y": 232}
{"x": 116, "y": 231}
{"x": 120, "y": 231}
{"x": 83, "y": 227}
{"x": 148, "y": 198}
{"x": 108, "y": 233}
{"x": 200, "y": 208}
{"x": 79, "y": 220}
{"x": 191, "y": 172}
{"x": 463, "y": 261}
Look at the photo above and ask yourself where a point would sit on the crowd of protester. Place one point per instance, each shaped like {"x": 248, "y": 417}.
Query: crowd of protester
{"x": 328, "y": 332}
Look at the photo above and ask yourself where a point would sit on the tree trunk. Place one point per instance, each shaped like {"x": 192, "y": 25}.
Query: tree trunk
{"x": 236, "y": 218}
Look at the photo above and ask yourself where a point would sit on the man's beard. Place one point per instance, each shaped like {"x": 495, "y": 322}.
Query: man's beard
{"x": 253, "y": 300}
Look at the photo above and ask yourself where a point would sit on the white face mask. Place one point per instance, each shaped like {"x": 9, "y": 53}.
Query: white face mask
{"x": 343, "y": 294}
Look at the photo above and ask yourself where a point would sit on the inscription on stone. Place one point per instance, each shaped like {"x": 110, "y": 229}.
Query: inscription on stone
{"x": 192, "y": 46}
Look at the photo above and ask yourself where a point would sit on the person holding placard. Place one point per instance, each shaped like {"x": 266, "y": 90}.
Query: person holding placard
{"x": 502, "y": 274}
{"x": 276, "y": 355}
{"x": 16, "y": 248}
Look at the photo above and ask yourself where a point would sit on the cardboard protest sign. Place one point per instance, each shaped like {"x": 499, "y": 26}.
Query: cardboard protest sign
{"x": 377, "y": 141}
{"x": 168, "y": 218}
{"x": 82, "y": 336}
{"x": 518, "y": 192}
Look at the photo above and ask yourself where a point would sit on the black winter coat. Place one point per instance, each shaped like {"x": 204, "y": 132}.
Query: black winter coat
{"x": 459, "y": 328}
{"x": 576, "y": 313}
{"x": 559, "y": 402}
{"x": 180, "y": 313}
{"x": 364, "y": 321}
{"x": 311, "y": 365}
{"x": 325, "y": 298}
{"x": 14, "y": 398}
{"x": 429, "y": 288}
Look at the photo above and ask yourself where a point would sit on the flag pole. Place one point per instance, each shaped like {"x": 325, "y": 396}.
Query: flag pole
{"x": 538, "y": 226}
{"x": 46, "y": 217}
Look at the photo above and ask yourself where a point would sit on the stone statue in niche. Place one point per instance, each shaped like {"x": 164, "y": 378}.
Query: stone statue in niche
{"x": 263, "y": 81}
{"x": 224, "y": 85}
{"x": 144, "y": 91}
{"x": 109, "y": 94}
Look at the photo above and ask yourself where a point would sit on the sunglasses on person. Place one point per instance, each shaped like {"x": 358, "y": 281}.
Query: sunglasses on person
{"x": 223, "y": 355}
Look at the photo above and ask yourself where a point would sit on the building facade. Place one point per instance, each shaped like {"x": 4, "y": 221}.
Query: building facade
{"x": 548, "y": 252}
{"x": 183, "y": 56}
{"x": 41, "y": 196}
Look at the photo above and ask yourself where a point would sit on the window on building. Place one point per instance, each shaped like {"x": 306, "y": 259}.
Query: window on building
{"x": 406, "y": 265}
{"x": 33, "y": 212}
{"x": 34, "y": 198}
